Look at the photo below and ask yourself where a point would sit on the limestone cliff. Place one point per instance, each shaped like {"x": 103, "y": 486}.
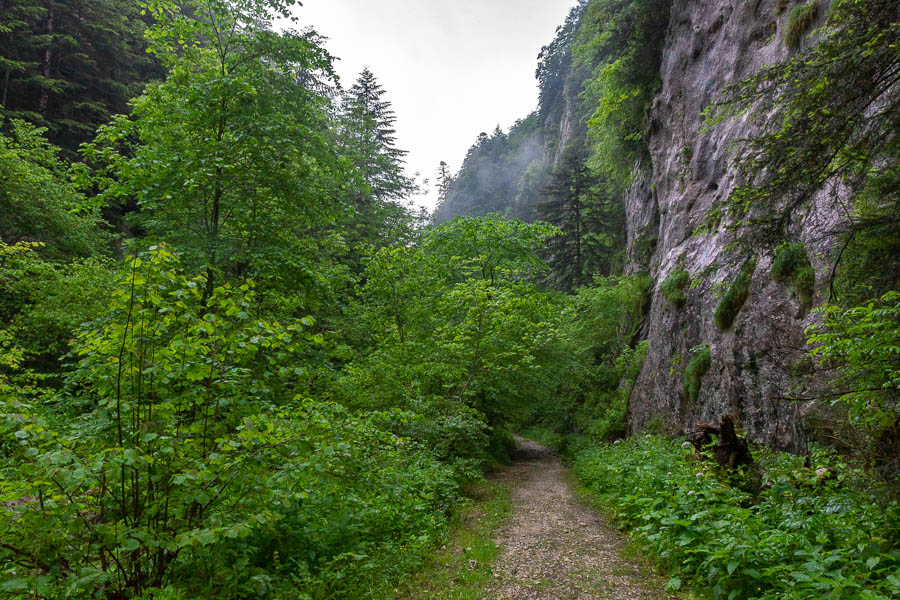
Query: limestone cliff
{"x": 673, "y": 222}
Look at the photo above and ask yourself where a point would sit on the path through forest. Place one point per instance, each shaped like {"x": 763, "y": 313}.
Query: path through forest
{"x": 553, "y": 547}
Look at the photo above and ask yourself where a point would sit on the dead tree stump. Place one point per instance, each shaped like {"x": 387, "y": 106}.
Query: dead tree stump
{"x": 731, "y": 451}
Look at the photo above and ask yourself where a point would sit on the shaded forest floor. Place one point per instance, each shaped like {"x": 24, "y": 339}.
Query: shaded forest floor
{"x": 529, "y": 536}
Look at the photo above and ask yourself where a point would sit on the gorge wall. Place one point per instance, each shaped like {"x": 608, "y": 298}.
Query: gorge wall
{"x": 675, "y": 211}
{"x": 674, "y": 221}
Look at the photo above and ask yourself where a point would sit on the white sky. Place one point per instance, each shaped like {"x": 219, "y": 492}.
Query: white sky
{"x": 450, "y": 68}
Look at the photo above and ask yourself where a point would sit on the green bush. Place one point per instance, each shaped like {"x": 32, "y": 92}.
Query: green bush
{"x": 674, "y": 285}
{"x": 693, "y": 374}
{"x": 792, "y": 264}
{"x": 43, "y": 302}
{"x": 198, "y": 467}
{"x": 809, "y": 534}
{"x": 733, "y": 300}
{"x": 800, "y": 20}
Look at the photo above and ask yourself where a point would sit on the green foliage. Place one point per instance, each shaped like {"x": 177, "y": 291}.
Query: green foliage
{"x": 229, "y": 157}
{"x": 195, "y": 467}
{"x": 698, "y": 366}
{"x": 367, "y": 139}
{"x": 69, "y": 65}
{"x": 38, "y": 203}
{"x": 821, "y": 133}
{"x": 452, "y": 329}
{"x": 863, "y": 344}
{"x": 42, "y": 303}
{"x": 799, "y": 22}
{"x": 807, "y": 534}
{"x": 592, "y": 223}
{"x": 673, "y": 287}
{"x": 622, "y": 44}
{"x": 733, "y": 299}
{"x": 792, "y": 264}
{"x": 595, "y": 362}
{"x": 868, "y": 265}
{"x": 463, "y": 567}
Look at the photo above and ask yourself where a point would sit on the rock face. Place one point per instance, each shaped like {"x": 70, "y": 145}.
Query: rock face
{"x": 755, "y": 362}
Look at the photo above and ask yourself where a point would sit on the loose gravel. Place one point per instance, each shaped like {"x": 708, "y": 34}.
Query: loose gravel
{"x": 556, "y": 548}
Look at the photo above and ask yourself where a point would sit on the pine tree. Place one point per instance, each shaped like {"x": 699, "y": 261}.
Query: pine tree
{"x": 592, "y": 224}
{"x": 445, "y": 179}
{"x": 69, "y": 65}
{"x": 369, "y": 141}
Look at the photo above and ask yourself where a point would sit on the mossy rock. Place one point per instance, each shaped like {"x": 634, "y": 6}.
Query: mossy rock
{"x": 693, "y": 374}
{"x": 733, "y": 300}
{"x": 800, "y": 21}
{"x": 792, "y": 265}
{"x": 673, "y": 287}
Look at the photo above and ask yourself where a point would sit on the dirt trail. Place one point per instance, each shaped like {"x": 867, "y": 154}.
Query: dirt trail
{"x": 556, "y": 548}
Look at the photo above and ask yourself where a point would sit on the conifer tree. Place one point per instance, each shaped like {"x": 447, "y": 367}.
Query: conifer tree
{"x": 445, "y": 179}
{"x": 591, "y": 223}
{"x": 369, "y": 141}
{"x": 70, "y": 65}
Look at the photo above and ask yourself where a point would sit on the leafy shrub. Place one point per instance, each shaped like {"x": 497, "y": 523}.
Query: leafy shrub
{"x": 673, "y": 287}
{"x": 693, "y": 374}
{"x": 43, "y": 302}
{"x": 621, "y": 43}
{"x": 800, "y": 20}
{"x": 733, "y": 300}
{"x": 792, "y": 264}
{"x": 863, "y": 344}
{"x": 38, "y": 202}
{"x": 807, "y": 535}
{"x": 198, "y": 468}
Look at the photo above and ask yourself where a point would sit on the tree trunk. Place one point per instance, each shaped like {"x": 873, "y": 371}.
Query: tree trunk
{"x": 46, "y": 67}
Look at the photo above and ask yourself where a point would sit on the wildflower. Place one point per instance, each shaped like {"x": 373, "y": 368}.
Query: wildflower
{"x": 699, "y": 474}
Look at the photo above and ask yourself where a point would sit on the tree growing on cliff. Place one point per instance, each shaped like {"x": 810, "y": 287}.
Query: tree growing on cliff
{"x": 840, "y": 106}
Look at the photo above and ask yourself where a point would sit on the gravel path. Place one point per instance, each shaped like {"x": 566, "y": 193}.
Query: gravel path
{"x": 556, "y": 548}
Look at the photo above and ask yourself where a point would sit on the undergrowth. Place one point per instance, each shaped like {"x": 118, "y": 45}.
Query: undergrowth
{"x": 461, "y": 568}
{"x": 810, "y": 533}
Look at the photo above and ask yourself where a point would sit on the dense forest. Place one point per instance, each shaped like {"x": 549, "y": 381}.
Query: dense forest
{"x": 235, "y": 362}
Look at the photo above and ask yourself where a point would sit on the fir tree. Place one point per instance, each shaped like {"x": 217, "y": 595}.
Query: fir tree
{"x": 369, "y": 141}
{"x": 70, "y": 65}
{"x": 591, "y": 224}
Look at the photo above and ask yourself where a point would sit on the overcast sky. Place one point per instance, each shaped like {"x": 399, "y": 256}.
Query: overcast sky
{"x": 450, "y": 68}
